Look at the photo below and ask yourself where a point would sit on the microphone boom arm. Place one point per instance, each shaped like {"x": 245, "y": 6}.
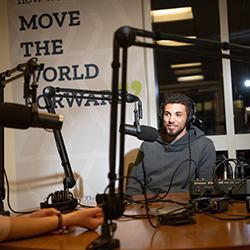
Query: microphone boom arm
{"x": 69, "y": 180}
{"x": 29, "y": 68}
{"x": 49, "y": 94}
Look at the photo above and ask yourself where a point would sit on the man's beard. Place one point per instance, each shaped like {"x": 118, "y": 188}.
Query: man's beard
{"x": 174, "y": 133}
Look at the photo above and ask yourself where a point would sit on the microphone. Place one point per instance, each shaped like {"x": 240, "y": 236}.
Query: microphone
{"x": 146, "y": 133}
{"x": 19, "y": 116}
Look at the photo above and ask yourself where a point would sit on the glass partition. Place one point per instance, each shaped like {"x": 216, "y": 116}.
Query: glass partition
{"x": 180, "y": 69}
{"x": 239, "y": 26}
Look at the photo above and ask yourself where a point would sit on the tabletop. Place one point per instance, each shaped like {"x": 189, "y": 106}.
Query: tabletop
{"x": 228, "y": 231}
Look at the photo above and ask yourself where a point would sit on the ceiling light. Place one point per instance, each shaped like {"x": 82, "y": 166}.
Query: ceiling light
{"x": 188, "y": 71}
{"x": 170, "y": 15}
{"x": 247, "y": 83}
{"x": 190, "y": 78}
{"x": 174, "y": 43}
{"x": 208, "y": 106}
{"x": 198, "y": 106}
{"x": 185, "y": 65}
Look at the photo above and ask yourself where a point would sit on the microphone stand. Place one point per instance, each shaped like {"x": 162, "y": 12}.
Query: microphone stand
{"x": 49, "y": 94}
{"x": 66, "y": 202}
{"x": 69, "y": 180}
{"x": 113, "y": 203}
{"x": 137, "y": 116}
{"x": 26, "y": 69}
{"x": 123, "y": 38}
{"x": 104, "y": 95}
{"x": 2, "y": 171}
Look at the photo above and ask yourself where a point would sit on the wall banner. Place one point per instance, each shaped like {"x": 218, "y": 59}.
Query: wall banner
{"x": 73, "y": 39}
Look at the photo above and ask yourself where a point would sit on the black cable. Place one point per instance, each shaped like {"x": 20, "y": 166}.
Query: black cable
{"x": 8, "y": 198}
{"x": 189, "y": 161}
{"x": 172, "y": 178}
{"x": 146, "y": 202}
{"x": 179, "y": 216}
{"x": 226, "y": 164}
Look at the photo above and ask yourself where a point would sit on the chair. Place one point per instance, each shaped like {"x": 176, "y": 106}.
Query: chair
{"x": 129, "y": 163}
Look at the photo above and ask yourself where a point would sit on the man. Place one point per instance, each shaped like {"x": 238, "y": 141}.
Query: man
{"x": 180, "y": 154}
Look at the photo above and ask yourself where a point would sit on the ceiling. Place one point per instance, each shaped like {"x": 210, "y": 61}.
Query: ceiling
{"x": 206, "y": 25}
{"x": 201, "y": 26}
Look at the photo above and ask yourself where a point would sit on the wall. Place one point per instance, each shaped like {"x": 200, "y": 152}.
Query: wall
{"x": 9, "y": 152}
{"x": 86, "y": 126}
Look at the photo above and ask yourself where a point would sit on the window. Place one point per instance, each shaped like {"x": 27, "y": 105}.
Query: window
{"x": 239, "y": 34}
{"x": 191, "y": 69}
{"x": 244, "y": 168}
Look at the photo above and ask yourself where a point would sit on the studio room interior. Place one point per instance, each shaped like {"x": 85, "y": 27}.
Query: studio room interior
{"x": 124, "y": 124}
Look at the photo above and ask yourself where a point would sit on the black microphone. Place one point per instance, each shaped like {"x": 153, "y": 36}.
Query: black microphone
{"x": 19, "y": 116}
{"x": 146, "y": 133}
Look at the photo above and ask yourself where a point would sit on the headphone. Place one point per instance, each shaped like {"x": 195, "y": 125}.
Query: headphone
{"x": 61, "y": 200}
{"x": 180, "y": 98}
{"x": 192, "y": 114}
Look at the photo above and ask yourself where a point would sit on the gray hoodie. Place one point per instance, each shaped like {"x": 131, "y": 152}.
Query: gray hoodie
{"x": 163, "y": 167}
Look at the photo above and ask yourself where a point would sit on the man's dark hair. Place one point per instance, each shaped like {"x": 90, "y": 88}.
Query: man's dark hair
{"x": 179, "y": 98}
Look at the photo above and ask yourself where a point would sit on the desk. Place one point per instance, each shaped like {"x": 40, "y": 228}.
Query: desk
{"x": 207, "y": 233}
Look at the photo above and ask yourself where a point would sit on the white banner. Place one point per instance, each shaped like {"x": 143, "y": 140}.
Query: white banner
{"x": 73, "y": 39}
